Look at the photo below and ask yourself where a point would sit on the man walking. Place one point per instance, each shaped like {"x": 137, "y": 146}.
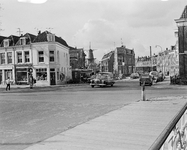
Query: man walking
{"x": 8, "y": 84}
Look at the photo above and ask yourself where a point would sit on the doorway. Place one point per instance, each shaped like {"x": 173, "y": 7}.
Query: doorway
{"x": 52, "y": 78}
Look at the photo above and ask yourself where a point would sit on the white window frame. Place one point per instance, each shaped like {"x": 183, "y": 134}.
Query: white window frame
{"x": 18, "y": 58}
{"x": 40, "y": 56}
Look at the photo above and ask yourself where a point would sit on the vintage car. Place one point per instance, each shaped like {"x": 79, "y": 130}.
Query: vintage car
{"x": 146, "y": 79}
{"x": 102, "y": 79}
{"x": 134, "y": 76}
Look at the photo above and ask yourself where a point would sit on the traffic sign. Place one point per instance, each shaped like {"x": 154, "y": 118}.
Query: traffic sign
{"x": 30, "y": 70}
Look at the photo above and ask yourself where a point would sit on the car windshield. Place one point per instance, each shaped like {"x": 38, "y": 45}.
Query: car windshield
{"x": 154, "y": 73}
{"x": 102, "y": 76}
{"x": 106, "y": 74}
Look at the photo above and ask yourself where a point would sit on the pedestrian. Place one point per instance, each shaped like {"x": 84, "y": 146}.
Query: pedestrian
{"x": 31, "y": 81}
{"x": 8, "y": 84}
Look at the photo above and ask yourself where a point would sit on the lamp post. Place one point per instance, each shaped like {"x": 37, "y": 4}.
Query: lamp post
{"x": 163, "y": 70}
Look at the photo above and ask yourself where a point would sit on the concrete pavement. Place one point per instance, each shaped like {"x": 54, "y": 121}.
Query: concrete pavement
{"x": 133, "y": 127}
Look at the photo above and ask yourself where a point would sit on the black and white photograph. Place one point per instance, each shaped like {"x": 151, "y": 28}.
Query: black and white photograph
{"x": 93, "y": 75}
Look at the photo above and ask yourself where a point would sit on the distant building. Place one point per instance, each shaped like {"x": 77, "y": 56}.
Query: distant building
{"x": 146, "y": 64}
{"x": 107, "y": 62}
{"x": 124, "y": 61}
{"x": 46, "y": 54}
{"x": 77, "y": 58}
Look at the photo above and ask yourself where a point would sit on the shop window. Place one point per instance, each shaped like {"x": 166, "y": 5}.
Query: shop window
{"x": 21, "y": 75}
{"x": 41, "y": 74}
{"x": 9, "y": 57}
{"x": 27, "y": 58}
{"x": 2, "y": 57}
{"x": 19, "y": 57}
{"x": 51, "y": 56}
{"x": 41, "y": 56}
{"x": 52, "y": 69}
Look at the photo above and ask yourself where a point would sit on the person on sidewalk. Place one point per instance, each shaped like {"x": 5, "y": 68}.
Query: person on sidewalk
{"x": 8, "y": 84}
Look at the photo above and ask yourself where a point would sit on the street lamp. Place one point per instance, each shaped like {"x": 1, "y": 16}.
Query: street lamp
{"x": 163, "y": 71}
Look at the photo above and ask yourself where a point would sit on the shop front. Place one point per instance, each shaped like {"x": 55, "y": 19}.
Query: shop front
{"x": 22, "y": 75}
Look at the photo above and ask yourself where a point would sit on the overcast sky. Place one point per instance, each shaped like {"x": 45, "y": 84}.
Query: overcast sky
{"x": 107, "y": 24}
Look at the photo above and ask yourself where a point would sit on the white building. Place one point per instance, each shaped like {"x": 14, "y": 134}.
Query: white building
{"x": 46, "y": 54}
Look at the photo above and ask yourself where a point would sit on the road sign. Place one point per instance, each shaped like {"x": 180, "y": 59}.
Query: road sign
{"x": 30, "y": 70}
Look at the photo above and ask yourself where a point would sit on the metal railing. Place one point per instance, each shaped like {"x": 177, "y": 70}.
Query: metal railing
{"x": 174, "y": 136}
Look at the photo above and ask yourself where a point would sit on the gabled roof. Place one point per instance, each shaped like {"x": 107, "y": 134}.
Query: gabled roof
{"x": 184, "y": 14}
{"x": 29, "y": 39}
{"x": 108, "y": 55}
{"x": 13, "y": 40}
{"x": 30, "y": 36}
{"x": 42, "y": 37}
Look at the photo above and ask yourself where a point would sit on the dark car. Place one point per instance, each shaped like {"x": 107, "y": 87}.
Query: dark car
{"x": 146, "y": 79}
{"x": 102, "y": 79}
{"x": 134, "y": 76}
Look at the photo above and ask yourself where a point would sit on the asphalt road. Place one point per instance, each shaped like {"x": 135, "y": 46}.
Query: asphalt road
{"x": 30, "y": 116}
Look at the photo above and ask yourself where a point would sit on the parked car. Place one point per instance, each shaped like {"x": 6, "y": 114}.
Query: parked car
{"x": 146, "y": 79}
{"x": 134, "y": 76}
{"x": 154, "y": 75}
{"x": 102, "y": 79}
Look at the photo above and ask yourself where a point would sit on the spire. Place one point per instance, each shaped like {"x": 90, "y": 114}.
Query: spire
{"x": 184, "y": 14}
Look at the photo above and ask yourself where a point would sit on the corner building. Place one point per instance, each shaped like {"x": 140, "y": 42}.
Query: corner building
{"x": 46, "y": 54}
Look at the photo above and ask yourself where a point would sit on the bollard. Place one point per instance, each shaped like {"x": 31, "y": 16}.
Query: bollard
{"x": 143, "y": 91}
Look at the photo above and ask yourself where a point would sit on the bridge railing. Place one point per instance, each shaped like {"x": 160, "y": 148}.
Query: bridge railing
{"x": 174, "y": 136}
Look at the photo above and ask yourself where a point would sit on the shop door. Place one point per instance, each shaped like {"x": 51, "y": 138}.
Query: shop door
{"x": 52, "y": 78}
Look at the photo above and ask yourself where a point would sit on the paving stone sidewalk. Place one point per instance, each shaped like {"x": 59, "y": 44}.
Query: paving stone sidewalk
{"x": 134, "y": 127}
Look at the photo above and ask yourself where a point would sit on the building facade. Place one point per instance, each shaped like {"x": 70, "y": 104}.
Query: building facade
{"x": 77, "y": 58}
{"x": 146, "y": 64}
{"x": 124, "y": 61}
{"x": 46, "y": 54}
{"x": 107, "y": 62}
{"x": 182, "y": 42}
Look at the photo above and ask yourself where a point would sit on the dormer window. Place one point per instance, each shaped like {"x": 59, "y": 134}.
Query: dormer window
{"x": 23, "y": 40}
{"x": 50, "y": 37}
{"x": 6, "y": 43}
